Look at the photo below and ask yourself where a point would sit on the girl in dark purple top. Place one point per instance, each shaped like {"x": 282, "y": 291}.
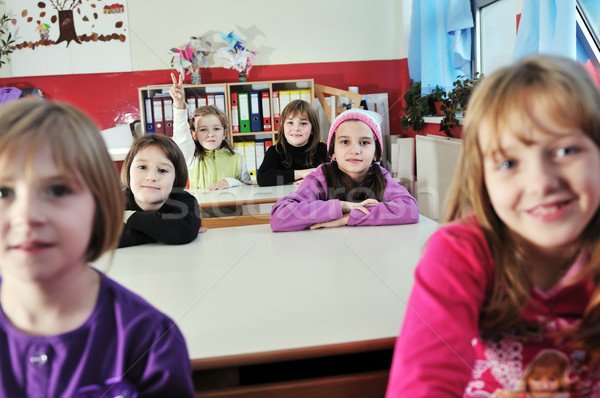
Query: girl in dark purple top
{"x": 66, "y": 330}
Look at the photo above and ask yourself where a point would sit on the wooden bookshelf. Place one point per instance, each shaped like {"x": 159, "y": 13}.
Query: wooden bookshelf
{"x": 226, "y": 89}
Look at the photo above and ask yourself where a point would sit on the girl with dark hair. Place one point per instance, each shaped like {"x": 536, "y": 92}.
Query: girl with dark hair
{"x": 353, "y": 189}
{"x": 298, "y": 150}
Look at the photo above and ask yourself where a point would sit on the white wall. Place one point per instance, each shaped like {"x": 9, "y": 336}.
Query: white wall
{"x": 283, "y": 31}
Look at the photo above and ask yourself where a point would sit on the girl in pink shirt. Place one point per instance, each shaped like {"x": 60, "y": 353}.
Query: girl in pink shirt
{"x": 515, "y": 270}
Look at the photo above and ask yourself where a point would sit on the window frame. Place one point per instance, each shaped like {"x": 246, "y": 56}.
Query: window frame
{"x": 584, "y": 33}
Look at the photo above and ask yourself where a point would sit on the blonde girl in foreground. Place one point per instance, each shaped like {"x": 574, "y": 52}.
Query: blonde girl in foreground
{"x": 66, "y": 329}
{"x": 515, "y": 270}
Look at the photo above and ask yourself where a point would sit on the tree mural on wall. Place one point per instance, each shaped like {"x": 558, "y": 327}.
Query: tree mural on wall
{"x": 65, "y": 20}
{"x": 68, "y": 17}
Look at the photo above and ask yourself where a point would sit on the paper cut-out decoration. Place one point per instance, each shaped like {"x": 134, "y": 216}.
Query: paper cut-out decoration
{"x": 94, "y": 42}
{"x": 66, "y": 23}
{"x": 193, "y": 56}
{"x": 236, "y": 55}
{"x": 44, "y": 31}
{"x": 114, "y": 9}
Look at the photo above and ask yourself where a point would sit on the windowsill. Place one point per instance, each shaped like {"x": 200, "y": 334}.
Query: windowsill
{"x": 438, "y": 119}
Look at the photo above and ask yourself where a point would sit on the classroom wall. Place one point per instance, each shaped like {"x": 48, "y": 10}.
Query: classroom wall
{"x": 284, "y": 32}
{"x": 339, "y": 43}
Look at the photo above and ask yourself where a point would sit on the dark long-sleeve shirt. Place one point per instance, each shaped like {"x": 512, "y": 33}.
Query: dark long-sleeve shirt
{"x": 175, "y": 223}
{"x": 272, "y": 172}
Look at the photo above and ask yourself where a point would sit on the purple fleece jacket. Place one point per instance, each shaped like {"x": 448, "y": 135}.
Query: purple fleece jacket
{"x": 125, "y": 348}
{"x": 308, "y": 205}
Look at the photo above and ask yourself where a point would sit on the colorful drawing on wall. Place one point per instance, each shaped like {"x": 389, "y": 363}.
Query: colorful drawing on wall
{"x": 57, "y": 37}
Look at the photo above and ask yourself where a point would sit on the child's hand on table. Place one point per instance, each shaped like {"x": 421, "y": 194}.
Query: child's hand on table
{"x": 222, "y": 184}
{"x": 347, "y": 207}
{"x": 339, "y": 222}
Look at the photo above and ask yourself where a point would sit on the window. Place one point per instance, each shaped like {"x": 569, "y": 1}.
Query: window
{"x": 495, "y": 33}
{"x": 496, "y": 24}
{"x": 588, "y": 27}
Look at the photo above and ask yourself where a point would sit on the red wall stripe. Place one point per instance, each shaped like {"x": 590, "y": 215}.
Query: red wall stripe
{"x": 111, "y": 98}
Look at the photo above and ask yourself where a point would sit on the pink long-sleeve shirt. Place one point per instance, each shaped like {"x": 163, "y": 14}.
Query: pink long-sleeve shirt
{"x": 308, "y": 205}
{"x": 440, "y": 351}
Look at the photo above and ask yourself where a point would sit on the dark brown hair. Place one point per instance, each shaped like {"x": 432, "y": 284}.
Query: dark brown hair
{"x": 343, "y": 187}
{"x": 304, "y": 109}
{"x": 169, "y": 148}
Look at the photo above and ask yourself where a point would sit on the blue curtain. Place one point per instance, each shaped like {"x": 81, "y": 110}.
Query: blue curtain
{"x": 440, "y": 42}
{"x": 547, "y": 27}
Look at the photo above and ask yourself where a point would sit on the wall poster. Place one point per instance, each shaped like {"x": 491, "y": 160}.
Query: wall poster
{"x": 58, "y": 37}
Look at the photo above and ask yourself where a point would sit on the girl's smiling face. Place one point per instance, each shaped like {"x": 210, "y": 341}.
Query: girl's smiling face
{"x": 297, "y": 130}
{"x": 209, "y": 132}
{"x": 544, "y": 380}
{"x": 151, "y": 178}
{"x": 46, "y": 218}
{"x": 546, "y": 187}
{"x": 354, "y": 148}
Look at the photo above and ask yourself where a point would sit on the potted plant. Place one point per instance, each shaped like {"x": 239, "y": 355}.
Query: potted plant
{"x": 5, "y": 43}
{"x": 456, "y": 101}
{"x": 436, "y": 100}
{"x": 419, "y": 106}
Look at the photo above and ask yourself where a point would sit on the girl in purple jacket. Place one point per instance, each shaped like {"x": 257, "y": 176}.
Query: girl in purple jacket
{"x": 66, "y": 329}
{"x": 353, "y": 189}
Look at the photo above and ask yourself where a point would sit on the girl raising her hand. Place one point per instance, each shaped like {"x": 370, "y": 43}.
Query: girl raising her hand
{"x": 210, "y": 158}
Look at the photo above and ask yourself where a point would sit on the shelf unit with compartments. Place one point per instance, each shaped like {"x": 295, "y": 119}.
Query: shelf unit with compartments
{"x": 252, "y": 110}
{"x": 156, "y": 112}
{"x": 155, "y": 100}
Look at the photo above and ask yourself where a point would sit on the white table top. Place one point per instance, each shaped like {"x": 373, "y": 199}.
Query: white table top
{"x": 241, "y": 195}
{"x": 118, "y": 154}
{"x": 247, "y": 290}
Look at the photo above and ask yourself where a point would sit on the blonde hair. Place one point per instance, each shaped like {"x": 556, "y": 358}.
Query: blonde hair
{"x": 79, "y": 152}
{"x": 546, "y": 93}
{"x": 547, "y": 360}
{"x": 205, "y": 111}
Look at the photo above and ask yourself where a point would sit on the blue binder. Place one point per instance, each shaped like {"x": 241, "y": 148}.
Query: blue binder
{"x": 149, "y": 118}
{"x": 255, "y": 116}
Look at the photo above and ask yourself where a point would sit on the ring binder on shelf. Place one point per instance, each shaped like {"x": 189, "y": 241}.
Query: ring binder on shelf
{"x": 148, "y": 113}
{"x": 243, "y": 103}
{"x": 159, "y": 115}
{"x": 235, "y": 117}
{"x": 255, "y": 118}
{"x": 266, "y": 111}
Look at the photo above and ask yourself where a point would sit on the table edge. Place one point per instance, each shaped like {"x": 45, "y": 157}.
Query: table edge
{"x": 293, "y": 354}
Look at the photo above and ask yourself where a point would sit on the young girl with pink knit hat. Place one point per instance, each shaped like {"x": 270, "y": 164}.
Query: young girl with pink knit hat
{"x": 352, "y": 189}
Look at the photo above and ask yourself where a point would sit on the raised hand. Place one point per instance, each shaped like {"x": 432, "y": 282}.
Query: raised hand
{"x": 177, "y": 92}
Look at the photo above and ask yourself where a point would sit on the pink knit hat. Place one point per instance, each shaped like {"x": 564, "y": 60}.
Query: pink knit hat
{"x": 372, "y": 119}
